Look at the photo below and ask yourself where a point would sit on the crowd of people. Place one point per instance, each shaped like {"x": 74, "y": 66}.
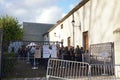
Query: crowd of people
{"x": 30, "y": 54}
{"x": 71, "y": 53}
{"x": 65, "y": 53}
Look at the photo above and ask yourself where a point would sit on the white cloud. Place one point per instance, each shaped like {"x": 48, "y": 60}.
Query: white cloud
{"x": 20, "y": 12}
{"x": 44, "y": 11}
{"x": 32, "y": 10}
{"x": 63, "y": 15}
{"x": 1, "y": 1}
{"x": 39, "y": 2}
{"x": 71, "y": 6}
{"x": 50, "y": 15}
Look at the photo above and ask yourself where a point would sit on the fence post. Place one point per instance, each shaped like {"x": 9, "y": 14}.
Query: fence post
{"x": 117, "y": 51}
{"x": 89, "y": 72}
{"x": 48, "y": 66}
{"x": 34, "y": 63}
{"x": 28, "y": 57}
{"x": 1, "y": 53}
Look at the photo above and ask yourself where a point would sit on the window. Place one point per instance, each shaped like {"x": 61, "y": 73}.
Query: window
{"x": 61, "y": 26}
{"x": 55, "y": 34}
{"x": 69, "y": 41}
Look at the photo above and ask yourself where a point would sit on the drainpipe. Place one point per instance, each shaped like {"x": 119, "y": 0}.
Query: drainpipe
{"x": 73, "y": 25}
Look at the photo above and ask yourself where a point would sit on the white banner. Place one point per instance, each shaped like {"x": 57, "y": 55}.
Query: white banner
{"x": 46, "y": 51}
{"x": 54, "y": 51}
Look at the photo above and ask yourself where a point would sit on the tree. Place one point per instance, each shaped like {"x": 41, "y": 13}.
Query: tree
{"x": 11, "y": 29}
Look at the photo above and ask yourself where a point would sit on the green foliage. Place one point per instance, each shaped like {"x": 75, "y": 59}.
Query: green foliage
{"x": 9, "y": 62}
{"x": 11, "y": 28}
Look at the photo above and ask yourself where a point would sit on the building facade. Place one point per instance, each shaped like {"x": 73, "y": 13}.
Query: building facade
{"x": 90, "y": 22}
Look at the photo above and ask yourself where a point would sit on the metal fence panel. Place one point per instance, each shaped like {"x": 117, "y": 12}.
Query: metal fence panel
{"x": 97, "y": 50}
{"x": 72, "y": 70}
{"x": 64, "y": 69}
{"x": 102, "y": 71}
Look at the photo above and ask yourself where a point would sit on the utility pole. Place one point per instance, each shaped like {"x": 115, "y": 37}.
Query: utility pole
{"x": 73, "y": 25}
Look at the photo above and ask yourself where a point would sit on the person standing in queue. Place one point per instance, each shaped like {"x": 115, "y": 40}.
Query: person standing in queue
{"x": 78, "y": 55}
{"x": 32, "y": 52}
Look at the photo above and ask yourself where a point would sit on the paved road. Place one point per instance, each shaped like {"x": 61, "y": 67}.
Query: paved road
{"x": 26, "y": 79}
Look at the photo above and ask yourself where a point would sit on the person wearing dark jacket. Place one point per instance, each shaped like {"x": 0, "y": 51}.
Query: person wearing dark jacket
{"x": 78, "y": 55}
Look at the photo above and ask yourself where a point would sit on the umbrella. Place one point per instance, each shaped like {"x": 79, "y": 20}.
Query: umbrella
{"x": 31, "y": 44}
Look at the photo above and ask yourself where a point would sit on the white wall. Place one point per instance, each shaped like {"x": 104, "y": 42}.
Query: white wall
{"x": 81, "y": 17}
{"x": 62, "y": 34}
{"x": 104, "y": 20}
{"x": 52, "y": 35}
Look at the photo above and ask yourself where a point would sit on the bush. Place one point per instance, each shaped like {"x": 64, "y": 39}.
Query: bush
{"x": 9, "y": 62}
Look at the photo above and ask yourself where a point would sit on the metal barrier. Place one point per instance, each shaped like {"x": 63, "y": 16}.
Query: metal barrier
{"x": 102, "y": 72}
{"x": 97, "y": 51}
{"x": 64, "y": 69}
{"x": 102, "y": 69}
{"x": 72, "y": 70}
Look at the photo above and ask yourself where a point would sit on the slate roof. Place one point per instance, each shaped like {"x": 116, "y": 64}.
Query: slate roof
{"x": 35, "y": 31}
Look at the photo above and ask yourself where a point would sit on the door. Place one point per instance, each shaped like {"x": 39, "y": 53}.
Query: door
{"x": 69, "y": 41}
{"x": 85, "y": 40}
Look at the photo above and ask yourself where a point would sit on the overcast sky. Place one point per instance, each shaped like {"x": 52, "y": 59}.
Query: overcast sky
{"x": 41, "y": 11}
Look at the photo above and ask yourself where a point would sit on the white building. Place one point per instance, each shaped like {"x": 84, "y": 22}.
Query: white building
{"x": 90, "y": 22}
{"x": 94, "y": 22}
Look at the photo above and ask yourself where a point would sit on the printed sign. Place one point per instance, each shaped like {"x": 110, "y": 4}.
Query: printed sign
{"x": 104, "y": 54}
{"x": 46, "y": 51}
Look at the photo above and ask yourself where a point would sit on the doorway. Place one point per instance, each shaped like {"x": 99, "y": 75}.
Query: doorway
{"x": 69, "y": 41}
{"x": 85, "y": 40}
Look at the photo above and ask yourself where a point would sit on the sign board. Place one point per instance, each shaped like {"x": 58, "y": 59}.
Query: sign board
{"x": 54, "y": 51}
{"x": 104, "y": 54}
{"x": 46, "y": 51}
